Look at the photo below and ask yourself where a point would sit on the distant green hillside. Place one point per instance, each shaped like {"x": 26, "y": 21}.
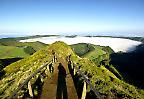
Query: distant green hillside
{"x": 25, "y": 37}
{"x": 95, "y": 53}
{"x": 12, "y": 52}
{"x": 107, "y": 84}
{"x": 36, "y": 45}
{"x": 90, "y": 50}
{"x": 11, "y": 48}
{"x": 100, "y": 55}
{"x": 82, "y": 48}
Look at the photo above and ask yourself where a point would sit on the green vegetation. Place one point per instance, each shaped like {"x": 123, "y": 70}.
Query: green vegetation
{"x": 12, "y": 52}
{"x": 130, "y": 65}
{"x": 107, "y": 49}
{"x": 82, "y": 48}
{"x": 36, "y": 45}
{"x": 11, "y": 48}
{"x": 7, "y": 61}
{"x": 95, "y": 53}
{"x": 29, "y": 50}
{"x": 26, "y": 37}
{"x": 105, "y": 82}
{"x": 17, "y": 72}
{"x": 104, "y": 76}
{"x": 100, "y": 55}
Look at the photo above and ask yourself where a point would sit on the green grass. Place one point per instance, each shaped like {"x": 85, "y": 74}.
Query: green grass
{"x": 100, "y": 55}
{"x": 82, "y": 48}
{"x": 29, "y": 50}
{"x": 36, "y": 45}
{"x": 105, "y": 82}
{"x": 17, "y": 72}
{"x": 13, "y": 49}
{"x": 105, "y": 77}
{"x": 95, "y": 53}
{"x": 107, "y": 49}
{"x": 12, "y": 52}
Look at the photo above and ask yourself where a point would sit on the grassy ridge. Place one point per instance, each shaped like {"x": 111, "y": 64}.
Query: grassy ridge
{"x": 17, "y": 72}
{"x": 131, "y": 65}
{"x": 100, "y": 55}
{"x": 106, "y": 82}
{"x": 95, "y": 53}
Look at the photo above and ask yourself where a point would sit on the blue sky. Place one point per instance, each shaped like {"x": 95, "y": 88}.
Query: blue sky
{"x": 106, "y": 17}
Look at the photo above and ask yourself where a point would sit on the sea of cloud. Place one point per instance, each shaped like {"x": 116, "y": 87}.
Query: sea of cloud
{"x": 117, "y": 44}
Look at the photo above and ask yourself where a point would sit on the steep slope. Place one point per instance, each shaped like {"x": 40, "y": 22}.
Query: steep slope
{"x": 1, "y": 65}
{"x": 8, "y": 61}
{"x": 131, "y": 65}
{"x": 105, "y": 82}
{"x": 17, "y": 72}
{"x": 100, "y": 55}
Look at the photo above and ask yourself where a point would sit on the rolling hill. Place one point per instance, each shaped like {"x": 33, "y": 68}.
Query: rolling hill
{"x": 36, "y": 45}
{"x": 104, "y": 81}
{"x": 100, "y": 55}
{"x": 12, "y": 50}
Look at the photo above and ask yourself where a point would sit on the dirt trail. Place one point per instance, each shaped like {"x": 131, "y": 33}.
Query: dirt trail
{"x": 61, "y": 85}
{"x": 50, "y": 86}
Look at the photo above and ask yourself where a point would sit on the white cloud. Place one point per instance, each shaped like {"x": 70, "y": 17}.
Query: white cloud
{"x": 117, "y": 44}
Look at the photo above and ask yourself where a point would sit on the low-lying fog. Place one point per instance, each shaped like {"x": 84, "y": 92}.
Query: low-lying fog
{"x": 117, "y": 44}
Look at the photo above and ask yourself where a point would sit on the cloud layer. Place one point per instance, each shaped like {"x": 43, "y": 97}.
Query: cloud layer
{"x": 117, "y": 44}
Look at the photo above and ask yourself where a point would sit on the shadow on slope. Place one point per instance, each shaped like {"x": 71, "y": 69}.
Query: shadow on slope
{"x": 8, "y": 61}
{"x": 131, "y": 65}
